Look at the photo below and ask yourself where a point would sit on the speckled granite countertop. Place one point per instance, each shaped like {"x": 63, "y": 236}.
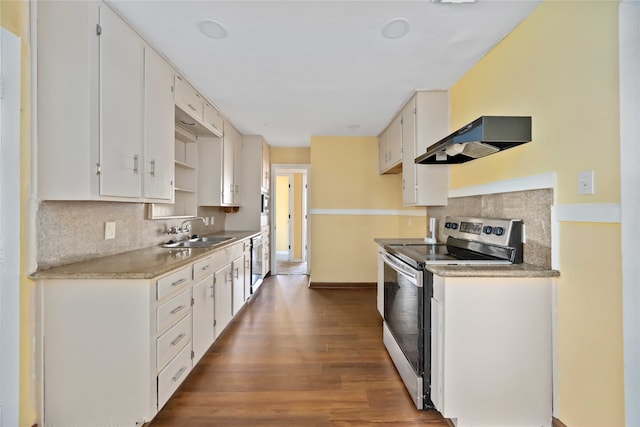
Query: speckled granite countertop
{"x": 513, "y": 270}
{"x": 139, "y": 264}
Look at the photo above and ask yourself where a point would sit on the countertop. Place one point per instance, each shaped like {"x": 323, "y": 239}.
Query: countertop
{"x": 144, "y": 263}
{"x": 512, "y": 270}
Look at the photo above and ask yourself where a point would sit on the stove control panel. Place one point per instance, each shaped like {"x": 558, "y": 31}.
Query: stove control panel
{"x": 497, "y": 231}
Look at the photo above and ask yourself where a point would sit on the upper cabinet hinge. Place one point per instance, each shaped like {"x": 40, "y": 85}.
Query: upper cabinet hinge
{"x": 98, "y": 29}
{"x": 98, "y": 169}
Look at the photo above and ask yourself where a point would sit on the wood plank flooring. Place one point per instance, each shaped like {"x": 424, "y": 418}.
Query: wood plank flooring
{"x": 298, "y": 357}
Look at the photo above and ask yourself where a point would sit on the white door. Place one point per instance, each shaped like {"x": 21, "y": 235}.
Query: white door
{"x": 238, "y": 284}
{"x": 9, "y": 228}
{"x": 159, "y": 114}
{"x": 121, "y": 114}
{"x": 223, "y": 298}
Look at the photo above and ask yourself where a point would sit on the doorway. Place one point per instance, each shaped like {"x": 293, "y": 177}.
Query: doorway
{"x": 289, "y": 196}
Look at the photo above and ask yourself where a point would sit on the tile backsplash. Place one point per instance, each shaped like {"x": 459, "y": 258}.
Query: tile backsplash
{"x": 74, "y": 231}
{"x": 532, "y": 206}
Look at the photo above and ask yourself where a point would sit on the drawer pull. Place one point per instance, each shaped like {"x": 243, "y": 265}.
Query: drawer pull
{"x": 178, "y": 282}
{"x": 178, "y": 339}
{"x": 192, "y": 107}
{"x": 206, "y": 267}
{"x": 177, "y": 309}
{"x": 177, "y": 376}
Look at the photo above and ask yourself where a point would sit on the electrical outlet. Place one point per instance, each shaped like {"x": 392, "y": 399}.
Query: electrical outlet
{"x": 585, "y": 182}
{"x": 109, "y": 230}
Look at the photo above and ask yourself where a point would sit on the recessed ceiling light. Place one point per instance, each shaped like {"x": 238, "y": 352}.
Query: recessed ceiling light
{"x": 353, "y": 127}
{"x": 395, "y": 28}
{"x": 212, "y": 29}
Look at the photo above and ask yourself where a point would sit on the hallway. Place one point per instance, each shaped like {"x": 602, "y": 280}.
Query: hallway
{"x": 297, "y": 357}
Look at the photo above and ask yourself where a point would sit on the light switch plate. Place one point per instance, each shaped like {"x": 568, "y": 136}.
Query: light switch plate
{"x": 109, "y": 230}
{"x": 585, "y": 182}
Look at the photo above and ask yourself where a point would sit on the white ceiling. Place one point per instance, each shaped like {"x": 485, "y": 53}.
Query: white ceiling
{"x": 289, "y": 70}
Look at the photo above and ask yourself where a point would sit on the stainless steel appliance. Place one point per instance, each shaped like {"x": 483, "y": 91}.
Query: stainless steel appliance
{"x": 256, "y": 262}
{"x": 484, "y": 136}
{"x": 408, "y": 288}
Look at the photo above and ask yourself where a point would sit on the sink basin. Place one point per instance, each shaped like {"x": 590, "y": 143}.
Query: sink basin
{"x": 199, "y": 242}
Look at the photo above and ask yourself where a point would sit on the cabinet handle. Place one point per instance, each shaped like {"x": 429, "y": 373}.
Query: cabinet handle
{"x": 192, "y": 107}
{"x": 177, "y": 309}
{"x": 237, "y": 272}
{"x": 136, "y": 159}
{"x": 231, "y": 187}
{"x": 229, "y": 277}
{"x": 153, "y": 168}
{"x": 177, "y": 282}
{"x": 178, "y": 339}
{"x": 237, "y": 188}
{"x": 178, "y": 374}
{"x": 206, "y": 267}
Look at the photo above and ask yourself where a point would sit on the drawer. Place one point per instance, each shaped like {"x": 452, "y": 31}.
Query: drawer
{"x": 172, "y": 376}
{"x": 204, "y": 268}
{"x": 171, "y": 342}
{"x": 213, "y": 119}
{"x": 173, "y": 310}
{"x": 172, "y": 282}
{"x": 235, "y": 251}
{"x": 188, "y": 99}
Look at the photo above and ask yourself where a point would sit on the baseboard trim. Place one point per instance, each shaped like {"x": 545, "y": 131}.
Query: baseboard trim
{"x": 342, "y": 285}
{"x": 554, "y": 423}
{"x": 557, "y": 423}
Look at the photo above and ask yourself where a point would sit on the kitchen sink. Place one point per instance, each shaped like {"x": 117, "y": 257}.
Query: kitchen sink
{"x": 198, "y": 242}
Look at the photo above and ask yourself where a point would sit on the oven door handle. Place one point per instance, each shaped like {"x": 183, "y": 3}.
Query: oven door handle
{"x": 411, "y": 274}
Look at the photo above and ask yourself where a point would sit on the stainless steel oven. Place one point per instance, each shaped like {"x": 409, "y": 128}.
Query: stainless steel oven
{"x": 408, "y": 289}
{"x": 406, "y": 306}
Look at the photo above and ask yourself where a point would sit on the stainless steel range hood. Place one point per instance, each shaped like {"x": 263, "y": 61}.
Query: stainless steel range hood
{"x": 485, "y": 135}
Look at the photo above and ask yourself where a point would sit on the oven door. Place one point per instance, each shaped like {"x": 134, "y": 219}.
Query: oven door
{"x": 404, "y": 324}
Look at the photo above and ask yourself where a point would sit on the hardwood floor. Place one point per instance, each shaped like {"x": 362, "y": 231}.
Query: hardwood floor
{"x": 298, "y": 357}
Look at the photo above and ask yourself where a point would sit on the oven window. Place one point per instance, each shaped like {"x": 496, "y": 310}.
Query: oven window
{"x": 403, "y": 313}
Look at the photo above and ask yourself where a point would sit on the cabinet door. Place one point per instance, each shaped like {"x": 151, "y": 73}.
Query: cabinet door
{"x": 238, "y": 284}
{"x": 188, "y": 99}
{"x": 203, "y": 317}
{"x": 238, "y": 158}
{"x": 266, "y": 166}
{"x": 395, "y": 141}
{"x": 409, "y": 153}
{"x": 247, "y": 270}
{"x": 212, "y": 119}
{"x": 223, "y": 282}
{"x": 227, "y": 164}
{"x": 121, "y": 114}
{"x": 210, "y": 165}
{"x": 383, "y": 150}
{"x": 159, "y": 127}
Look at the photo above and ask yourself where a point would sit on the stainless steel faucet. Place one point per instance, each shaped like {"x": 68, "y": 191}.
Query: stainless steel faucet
{"x": 186, "y": 228}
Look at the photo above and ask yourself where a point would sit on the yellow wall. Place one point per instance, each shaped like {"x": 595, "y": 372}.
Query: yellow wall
{"x": 297, "y": 216}
{"x": 282, "y": 213}
{"x": 344, "y": 175}
{"x": 288, "y": 155}
{"x": 14, "y": 16}
{"x": 561, "y": 67}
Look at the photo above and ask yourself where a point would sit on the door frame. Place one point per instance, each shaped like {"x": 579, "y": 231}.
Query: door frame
{"x": 289, "y": 169}
{"x": 10, "y": 229}
{"x": 629, "y": 48}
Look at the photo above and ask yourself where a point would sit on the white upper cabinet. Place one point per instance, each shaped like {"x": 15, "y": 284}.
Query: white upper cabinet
{"x": 229, "y": 142}
{"x": 159, "y": 127}
{"x": 121, "y": 115}
{"x": 425, "y": 120}
{"x": 390, "y": 147}
{"x": 212, "y": 119}
{"x": 188, "y": 99}
{"x": 91, "y": 104}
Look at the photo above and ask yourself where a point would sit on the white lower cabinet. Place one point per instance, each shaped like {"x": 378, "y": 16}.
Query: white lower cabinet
{"x": 223, "y": 300}
{"x": 491, "y": 351}
{"x": 238, "y": 298}
{"x": 115, "y": 350}
{"x": 203, "y": 317}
